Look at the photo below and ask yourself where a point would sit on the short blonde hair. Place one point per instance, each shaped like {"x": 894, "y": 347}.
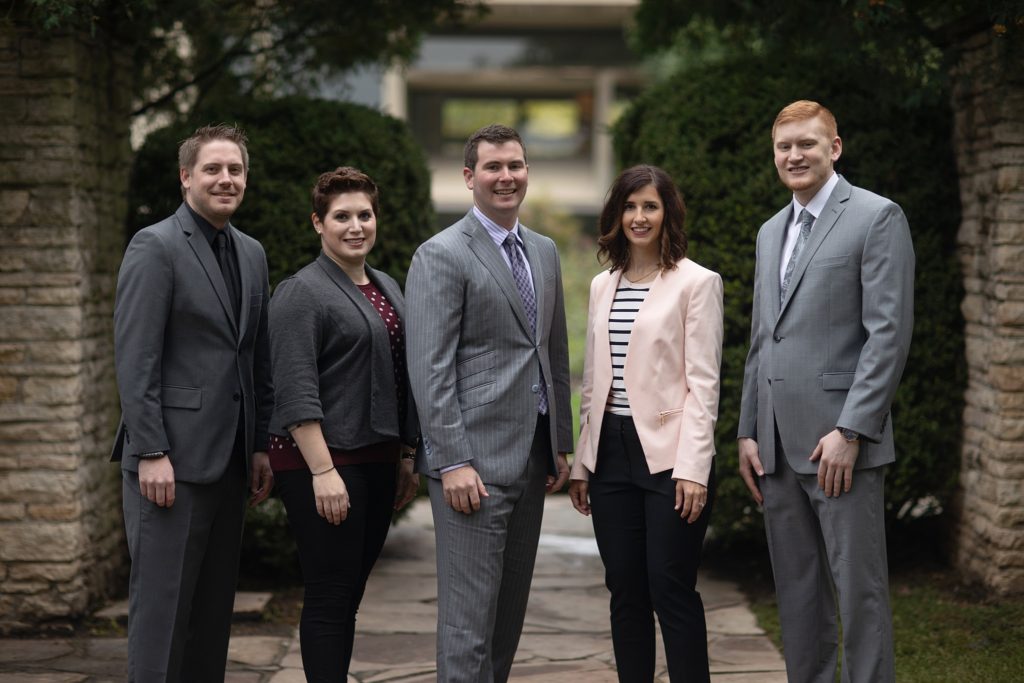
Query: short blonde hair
{"x": 801, "y": 110}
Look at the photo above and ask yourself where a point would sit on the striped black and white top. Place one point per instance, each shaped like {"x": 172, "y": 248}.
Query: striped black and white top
{"x": 628, "y": 298}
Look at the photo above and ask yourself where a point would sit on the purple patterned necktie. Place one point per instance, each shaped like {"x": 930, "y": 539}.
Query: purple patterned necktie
{"x": 529, "y": 298}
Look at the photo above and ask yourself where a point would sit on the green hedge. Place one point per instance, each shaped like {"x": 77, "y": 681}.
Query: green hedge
{"x": 710, "y": 128}
{"x": 291, "y": 141}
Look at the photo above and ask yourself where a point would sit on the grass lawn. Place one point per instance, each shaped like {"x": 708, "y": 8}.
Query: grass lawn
{"x": 944, "y": 632}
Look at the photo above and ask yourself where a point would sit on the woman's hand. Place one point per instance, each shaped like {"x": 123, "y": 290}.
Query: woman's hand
{"x": 332, "y": 501}
{"x": 580, "y": 496}
{"x": 691, "y": 498}
{"x": 408, "y": 483}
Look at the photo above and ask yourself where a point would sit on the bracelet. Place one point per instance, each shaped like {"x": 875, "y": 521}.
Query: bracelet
{"x": 317, "y": 474}
{"x": 410, "y": 455}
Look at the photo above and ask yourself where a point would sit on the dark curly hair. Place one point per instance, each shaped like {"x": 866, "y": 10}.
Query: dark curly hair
{"x": 339, "y": 181}
{"x": 613, "y": 246}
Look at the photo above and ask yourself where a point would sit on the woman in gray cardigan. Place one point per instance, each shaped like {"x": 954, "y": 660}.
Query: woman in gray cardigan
{"x": 344, "y": 426}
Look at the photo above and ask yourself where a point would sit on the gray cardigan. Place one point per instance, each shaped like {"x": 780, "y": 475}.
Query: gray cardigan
{"x": 331, "y": 358}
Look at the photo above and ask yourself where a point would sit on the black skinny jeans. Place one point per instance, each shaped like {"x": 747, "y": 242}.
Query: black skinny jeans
{"x": 651, "y": 556}
{"x": 336, "y": 560}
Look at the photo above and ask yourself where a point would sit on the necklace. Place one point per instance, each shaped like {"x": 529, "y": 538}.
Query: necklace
{"x": 644, "y": 276}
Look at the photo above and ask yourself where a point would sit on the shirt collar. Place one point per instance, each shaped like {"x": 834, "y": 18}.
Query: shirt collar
{"x": 209, "y": 231}
{"x": 497, "y": 233}
{"x": 817, "y": 203}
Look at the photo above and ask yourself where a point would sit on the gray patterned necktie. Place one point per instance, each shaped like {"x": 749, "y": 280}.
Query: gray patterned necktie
{"x": 529, "y": 299}
{"x": 806, "y": 221}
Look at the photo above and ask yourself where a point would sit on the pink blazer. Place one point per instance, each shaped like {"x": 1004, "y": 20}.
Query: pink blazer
{"x": 672, "y": 371}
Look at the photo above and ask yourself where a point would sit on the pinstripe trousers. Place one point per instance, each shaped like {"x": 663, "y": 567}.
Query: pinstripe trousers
{"x": 484, "y": 569}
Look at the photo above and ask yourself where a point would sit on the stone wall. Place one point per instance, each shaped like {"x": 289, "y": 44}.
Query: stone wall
{"x": 64, "y": 164}
{"x": 988, "y": 98}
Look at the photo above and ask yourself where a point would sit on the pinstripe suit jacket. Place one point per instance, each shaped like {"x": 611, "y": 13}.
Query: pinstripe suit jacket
{"x": 474, "y": 364}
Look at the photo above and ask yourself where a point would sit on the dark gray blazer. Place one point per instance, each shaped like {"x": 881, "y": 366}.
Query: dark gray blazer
{"x": 183, "y": 362}
{"x": 331, "y": 358}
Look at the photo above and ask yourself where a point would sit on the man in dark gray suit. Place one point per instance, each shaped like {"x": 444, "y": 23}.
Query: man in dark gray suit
{"x": 193, "y": 371}
{"x": 831, "y": 325}
{"x": 489, "y": 369}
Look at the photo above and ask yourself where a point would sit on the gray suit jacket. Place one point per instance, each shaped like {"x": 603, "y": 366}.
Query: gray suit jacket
{"x": 833, "y": 352}
{"x": 332, "y": 358}
{"x": 473, "y": 362}
{"x": 185, "y": 366}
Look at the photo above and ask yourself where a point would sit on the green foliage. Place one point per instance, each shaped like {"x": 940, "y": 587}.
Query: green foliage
{"x": 710, "y": 129}
{"x": 185, "y": 51}
{"x": 292, "y": 141}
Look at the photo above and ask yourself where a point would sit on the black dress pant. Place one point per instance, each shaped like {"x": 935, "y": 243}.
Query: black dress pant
{"x": 651, "y": 556}
{"x": 336, "y": 560}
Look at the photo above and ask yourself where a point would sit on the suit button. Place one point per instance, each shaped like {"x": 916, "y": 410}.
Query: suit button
{"x": 237, "y": 396}
{"x": 777, "y": 339}
{"x": 535, "y": 388}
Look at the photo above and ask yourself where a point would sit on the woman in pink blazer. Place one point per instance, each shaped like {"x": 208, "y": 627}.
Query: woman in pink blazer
{"x": 644, "y": 463}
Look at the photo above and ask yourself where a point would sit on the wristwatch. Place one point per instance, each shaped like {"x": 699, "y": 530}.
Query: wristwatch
{"x": 849, "y": 434}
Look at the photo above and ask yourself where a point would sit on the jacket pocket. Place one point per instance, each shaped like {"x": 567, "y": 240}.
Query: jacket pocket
{"x": 474, "y": 371}
{"x": 836, "y": 381}
{"x": 190, "y": 398}
{"x": 667, "y": 413}
{"x": 830, "y": 262}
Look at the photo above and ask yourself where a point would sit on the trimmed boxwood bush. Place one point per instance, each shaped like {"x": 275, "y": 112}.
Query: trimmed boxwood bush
{"x": 710, "y": 128}
{"x": 291, "y": 141}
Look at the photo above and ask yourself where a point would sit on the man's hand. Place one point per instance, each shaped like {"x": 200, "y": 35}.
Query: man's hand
{"x": 691, "y": 498}
{"x": 838, "y": 456}
{"x": 156, "y": 480}
{"x": 751, "y": 468}
{"x": 262, "y": 478}
{"x": 463, "y": 489}
{"x": 556, "y": 483}
{"x": 579, "y": 494}
{"x": 408, "y": 483}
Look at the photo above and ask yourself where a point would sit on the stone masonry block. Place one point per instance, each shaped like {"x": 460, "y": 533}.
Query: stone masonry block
{"x": 13, "y": 204}
{"x": 40, "y": 432}
{"x": 50, "y": 296}
{"x": 34, "y": 571}
{"x": 56, "y": 512}
{"x": 40, "y": 542}
{"x": 8, "y": 389}
{"x": 31, "y": 323}
{"x": 12, "y": 512}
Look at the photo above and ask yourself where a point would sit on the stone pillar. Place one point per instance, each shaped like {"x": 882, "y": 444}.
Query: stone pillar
{"x": 64, "y": 166}
{"x": 988, "y": 99}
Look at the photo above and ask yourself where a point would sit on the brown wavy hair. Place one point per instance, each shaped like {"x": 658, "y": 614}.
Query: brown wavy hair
{"x": 613, "y": 246}
{"x": 339, "y": 181}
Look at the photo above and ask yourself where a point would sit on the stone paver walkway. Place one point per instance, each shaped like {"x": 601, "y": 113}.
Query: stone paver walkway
{"x": 566, "y": 637}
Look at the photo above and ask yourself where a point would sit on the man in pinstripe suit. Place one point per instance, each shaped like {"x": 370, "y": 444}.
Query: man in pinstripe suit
{"x": 489, "y": 369}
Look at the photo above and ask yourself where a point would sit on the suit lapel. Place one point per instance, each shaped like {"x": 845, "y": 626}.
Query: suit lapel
{"x": 602, "y": 311}
{"x": 481, "y": 244}
{"x": 775, "y": 239}
{"x": 246, "y": 272}
{"x": 834, "y": 208}
{"x": 201, "y": 248}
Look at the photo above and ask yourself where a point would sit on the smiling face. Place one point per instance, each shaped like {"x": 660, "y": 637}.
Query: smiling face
{"x": 498, "y": 181}
{"x": 642, "y": 216}
{"x": 804, "y": 156}
{"x": 215, "y": 184}
{"x": 348, "y": 229}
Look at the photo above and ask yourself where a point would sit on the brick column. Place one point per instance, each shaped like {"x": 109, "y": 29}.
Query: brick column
{"x": 64, "y": 166}
{"x": 988, "y": 98}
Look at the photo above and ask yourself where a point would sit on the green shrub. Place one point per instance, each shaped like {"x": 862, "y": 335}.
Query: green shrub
{"x": 291, "y": 141}
{"x": 710, "y": 128}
